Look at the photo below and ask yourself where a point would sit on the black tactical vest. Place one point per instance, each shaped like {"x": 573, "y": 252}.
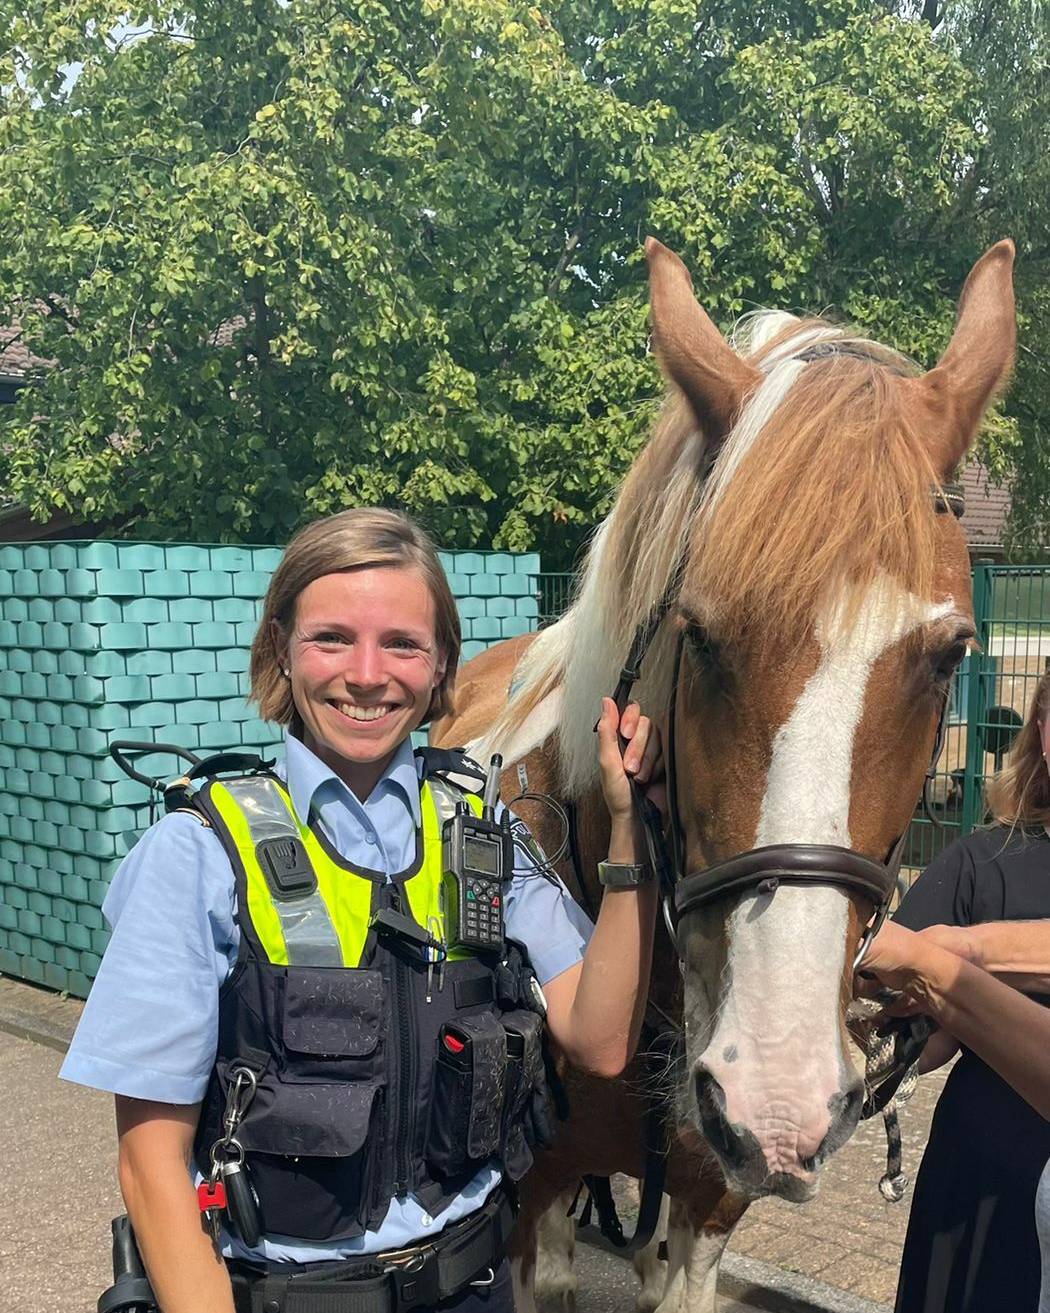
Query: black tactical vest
{"x": 378, "y": 1074}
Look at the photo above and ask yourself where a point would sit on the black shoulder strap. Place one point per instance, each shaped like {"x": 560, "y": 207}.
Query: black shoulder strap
{"x": 449, "y": 761}
{"x": 230, "y": 763}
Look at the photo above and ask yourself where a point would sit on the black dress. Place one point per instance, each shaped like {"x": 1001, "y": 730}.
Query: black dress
{"x": 972, "y": 1245}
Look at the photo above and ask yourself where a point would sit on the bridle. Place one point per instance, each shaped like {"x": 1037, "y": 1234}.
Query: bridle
{"x": 761, "y": 870}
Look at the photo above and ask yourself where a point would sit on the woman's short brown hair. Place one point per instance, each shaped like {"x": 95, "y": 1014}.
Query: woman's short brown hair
{"x": 1020, "y": 793}
{"x": 351, "y": 540}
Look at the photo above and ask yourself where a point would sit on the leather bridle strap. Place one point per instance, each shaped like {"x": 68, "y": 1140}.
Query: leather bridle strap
{"x": 665, "y": 866}
{"x": 763, "y": 869}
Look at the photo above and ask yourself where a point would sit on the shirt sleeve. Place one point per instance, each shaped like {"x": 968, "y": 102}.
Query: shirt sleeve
{"x": 150, "y": 1026}
{"x": 540, "y": 913}
{"x": 944, "y": 893}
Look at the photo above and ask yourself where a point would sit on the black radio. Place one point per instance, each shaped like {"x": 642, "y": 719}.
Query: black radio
{"x": 477, "y": 857}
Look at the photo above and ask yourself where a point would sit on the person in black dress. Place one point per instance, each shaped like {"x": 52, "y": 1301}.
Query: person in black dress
{"x": 971, "y": 1245}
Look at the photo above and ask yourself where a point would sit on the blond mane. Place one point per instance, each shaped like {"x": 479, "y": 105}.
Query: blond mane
{"x": 822, "y": 483}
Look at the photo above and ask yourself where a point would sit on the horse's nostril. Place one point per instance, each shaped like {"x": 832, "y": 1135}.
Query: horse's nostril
{"x": 845, "y": 1108}
{"x": 710, "y": 1097}
{"x": 711, "y": 1106}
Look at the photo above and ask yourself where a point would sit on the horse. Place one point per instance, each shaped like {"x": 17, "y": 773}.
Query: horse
{"x": 783, "y": 535}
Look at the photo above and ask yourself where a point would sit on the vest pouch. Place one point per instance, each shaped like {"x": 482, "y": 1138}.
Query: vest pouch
{"x": 525, "y": 1083}
{"x": 312, "y": 1150}
{"x": 331, "y": 1020}
{"x": 466, "y": 1101}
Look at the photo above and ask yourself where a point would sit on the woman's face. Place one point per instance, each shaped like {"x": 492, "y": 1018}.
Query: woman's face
{"x": 363, "y": 661}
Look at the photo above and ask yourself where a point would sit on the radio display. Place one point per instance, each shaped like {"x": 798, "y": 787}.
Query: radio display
{"x": 481, "y": 855}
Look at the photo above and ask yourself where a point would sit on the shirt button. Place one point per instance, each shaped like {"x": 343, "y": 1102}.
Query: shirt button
{"x": 370, "y": 838}
{"x": 426, "y": 1220}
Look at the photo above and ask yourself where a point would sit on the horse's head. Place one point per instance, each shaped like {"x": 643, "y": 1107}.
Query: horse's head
{"x": 823, "y": 603}
{"x": 789, "y": 505}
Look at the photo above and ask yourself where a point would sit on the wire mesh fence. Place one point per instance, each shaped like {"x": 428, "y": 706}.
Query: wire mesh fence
{"x": 555, "y": 595}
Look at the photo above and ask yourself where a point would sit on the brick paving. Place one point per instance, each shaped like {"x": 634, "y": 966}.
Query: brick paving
{"x": 848, "y": 1236}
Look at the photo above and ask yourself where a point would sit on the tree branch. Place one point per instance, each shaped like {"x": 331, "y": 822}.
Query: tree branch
{"x": 930, "y": 14}
{"x": 563, "y": 262}
{"x": 56, "y": 308}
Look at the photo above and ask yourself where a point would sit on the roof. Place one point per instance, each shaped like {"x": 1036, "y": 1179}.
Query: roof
{"x": 987, "y": 507}
{"x": 15, "y": 357}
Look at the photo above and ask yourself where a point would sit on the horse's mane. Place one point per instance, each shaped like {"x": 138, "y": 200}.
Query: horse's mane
{"x": 821, "y": 483}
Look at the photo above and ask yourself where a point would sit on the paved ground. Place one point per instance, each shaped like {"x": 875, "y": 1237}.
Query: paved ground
{"x": 58, "y": 1190}
{"x": 58, "y": 1193}
{"x": 849, "y": 1236}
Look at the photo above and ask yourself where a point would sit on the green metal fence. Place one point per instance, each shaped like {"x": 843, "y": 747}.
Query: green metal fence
{"x": 991, "y": 694}
{"x": 555, "y": 594}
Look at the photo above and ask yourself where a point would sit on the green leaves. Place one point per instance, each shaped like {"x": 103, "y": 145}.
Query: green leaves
{"x": 285, "y": 258}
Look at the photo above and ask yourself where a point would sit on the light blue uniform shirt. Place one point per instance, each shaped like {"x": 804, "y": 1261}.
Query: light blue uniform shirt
{"x": 150, "y": 1027}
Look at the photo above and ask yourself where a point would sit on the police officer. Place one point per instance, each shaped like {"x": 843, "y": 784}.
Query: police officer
{"x": 278, "y": 1004}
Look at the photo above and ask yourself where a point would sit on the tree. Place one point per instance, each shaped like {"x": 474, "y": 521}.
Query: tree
{"x": 287, "y": 258}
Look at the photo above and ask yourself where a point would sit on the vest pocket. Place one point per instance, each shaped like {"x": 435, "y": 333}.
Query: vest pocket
{"x": 525, "y": 1082}
{"x": 467, "y": 1096}
{"x": 330, "y": 1022}
{"x": 312, "y": 1156}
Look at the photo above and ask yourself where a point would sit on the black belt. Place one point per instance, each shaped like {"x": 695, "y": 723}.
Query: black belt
{"x": 420, "y": 1276}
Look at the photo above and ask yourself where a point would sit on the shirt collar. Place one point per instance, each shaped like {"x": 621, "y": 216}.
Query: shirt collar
{"x": 305, "y": 773}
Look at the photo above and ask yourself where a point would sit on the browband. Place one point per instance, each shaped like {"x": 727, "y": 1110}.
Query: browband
{"x": 763, "y": 869}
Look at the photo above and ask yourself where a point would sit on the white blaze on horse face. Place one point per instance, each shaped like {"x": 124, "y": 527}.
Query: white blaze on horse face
{"x": 776, "y": 1050}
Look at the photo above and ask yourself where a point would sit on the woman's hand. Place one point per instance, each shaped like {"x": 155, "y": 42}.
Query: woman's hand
{"x": 918, "y": 964}
{"x": 641, "y": 760}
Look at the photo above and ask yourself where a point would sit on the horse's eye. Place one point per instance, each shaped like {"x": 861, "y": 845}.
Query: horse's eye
{"x": 946, "y": 662}
{"x": 702, "y": 645}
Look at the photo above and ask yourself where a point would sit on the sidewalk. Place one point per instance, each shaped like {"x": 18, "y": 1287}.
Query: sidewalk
{"x": 839, "y": 1252}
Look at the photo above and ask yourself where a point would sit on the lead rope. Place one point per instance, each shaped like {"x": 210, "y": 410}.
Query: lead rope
{"x": 891, "y": 1074}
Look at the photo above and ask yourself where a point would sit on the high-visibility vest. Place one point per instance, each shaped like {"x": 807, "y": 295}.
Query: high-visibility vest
{"x": 328, "y": 926}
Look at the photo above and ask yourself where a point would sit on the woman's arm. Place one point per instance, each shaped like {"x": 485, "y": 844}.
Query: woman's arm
{"x": 595, "y": 1009}
{"x": 1015, "y": 952}
{"x": 1009, "y": 1032}
{"x": 185, "y": 1269}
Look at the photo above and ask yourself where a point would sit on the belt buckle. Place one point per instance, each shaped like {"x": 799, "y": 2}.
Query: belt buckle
{"x": 414, "y": 1273}
{"x": 413, "y": 1258}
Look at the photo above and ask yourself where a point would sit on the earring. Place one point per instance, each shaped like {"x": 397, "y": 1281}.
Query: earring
{"x": 287, "y": 673}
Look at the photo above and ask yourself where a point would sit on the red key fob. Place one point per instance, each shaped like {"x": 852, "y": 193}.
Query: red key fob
{"x": 211, "y": 1195}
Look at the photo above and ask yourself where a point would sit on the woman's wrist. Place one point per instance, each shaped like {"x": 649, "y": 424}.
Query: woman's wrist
{"x": 625, "y": 846}
{"x": 937, "y": 970}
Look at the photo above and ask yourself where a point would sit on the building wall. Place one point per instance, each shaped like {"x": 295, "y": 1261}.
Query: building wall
{"x": 102, "y": 641}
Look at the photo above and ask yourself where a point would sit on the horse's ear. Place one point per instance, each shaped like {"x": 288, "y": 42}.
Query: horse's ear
{"x": 977, "y": 360}
{"x": 692, "y": 353}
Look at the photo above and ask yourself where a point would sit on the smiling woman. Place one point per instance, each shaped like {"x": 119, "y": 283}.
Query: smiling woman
{"x": 354, "y": 659}
{"x": 325, "y": 1006}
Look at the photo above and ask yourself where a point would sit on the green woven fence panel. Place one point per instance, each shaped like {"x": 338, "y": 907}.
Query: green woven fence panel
{"x": 102, "y": 641}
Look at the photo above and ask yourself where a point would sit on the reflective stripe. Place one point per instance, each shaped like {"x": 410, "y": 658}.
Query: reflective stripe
{"x": 347, "y": 896}
{"x": 327, "y": 927}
